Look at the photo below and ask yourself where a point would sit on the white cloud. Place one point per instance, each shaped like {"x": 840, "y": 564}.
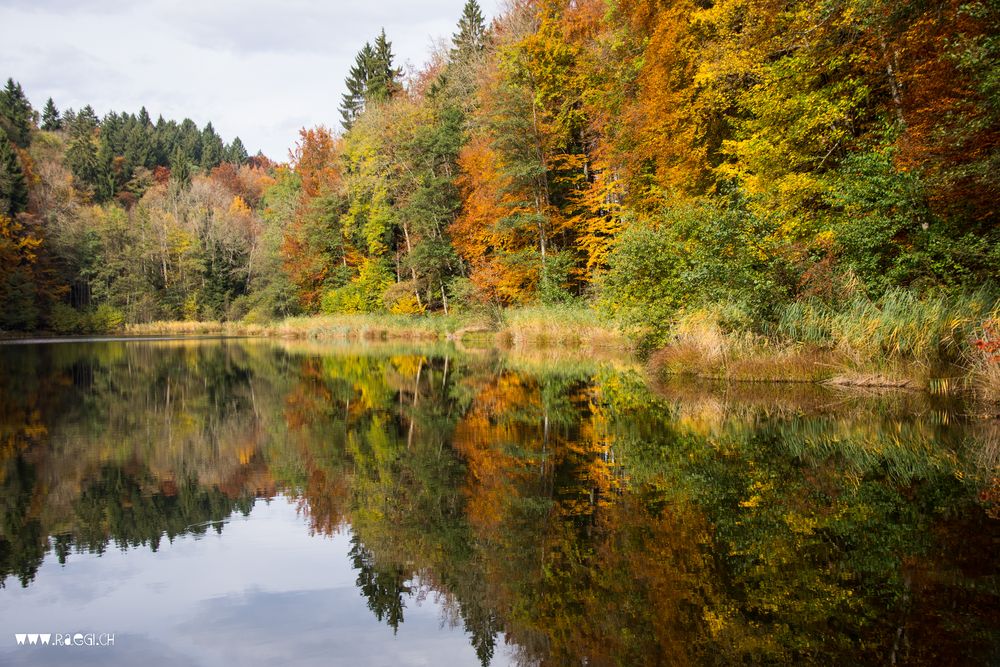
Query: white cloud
{"x": 256, "y": 69}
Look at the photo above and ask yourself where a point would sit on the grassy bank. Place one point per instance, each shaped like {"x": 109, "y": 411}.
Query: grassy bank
{"x": 531, "y": 326}
{"x": 938, "y": 343}
{"x": 946, "y": 343}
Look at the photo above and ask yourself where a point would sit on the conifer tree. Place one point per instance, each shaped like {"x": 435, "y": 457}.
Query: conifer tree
{"x": 471, "y": 34}
{"x": 357, "y": 86}
{"x": 236, "y": 152}
{"x": 383, "y": 81}
{"x": 50, "y": 117}
{"x": 81, "y": 154}
{"x": 13, "y": 188}
{"x": 180, "y": 167}
{"x": 212, "y": 148}
{"x": 16, "y": 115}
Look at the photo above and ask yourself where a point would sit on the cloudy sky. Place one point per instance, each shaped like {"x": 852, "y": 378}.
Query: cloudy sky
{"x": 259, "y": 69}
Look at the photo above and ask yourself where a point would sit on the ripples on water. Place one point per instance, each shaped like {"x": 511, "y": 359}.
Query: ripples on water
{"x": 246, "y": 502}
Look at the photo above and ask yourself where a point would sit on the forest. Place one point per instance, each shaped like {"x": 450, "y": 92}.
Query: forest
{"x": 776, "y": 167}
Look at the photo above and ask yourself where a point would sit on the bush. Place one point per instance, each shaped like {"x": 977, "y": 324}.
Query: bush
{"x": 363, "y": 294}
{"x": 64, "y": 319}
{"x": 696, "y": 255}
{"x": 105, "y": 319}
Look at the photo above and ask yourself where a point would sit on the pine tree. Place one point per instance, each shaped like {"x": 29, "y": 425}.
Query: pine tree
{"x": 212, "y": 148}
{"x": 383, "y": 82}
{"x": 16, "y": 115}
{"x": 140, "y": 146}
{"x": 13, "y": 187}
{"x": 50, "y": 117}
{"x": 189, "y": 140}
{"x": 471, "y": 35}
{"x": 81, "y": 154}
{"x": 353, "y": 101}
{"x": 180, "y": 167}
{"x": 236, "y": 152}
{"x": 109, "y": 175}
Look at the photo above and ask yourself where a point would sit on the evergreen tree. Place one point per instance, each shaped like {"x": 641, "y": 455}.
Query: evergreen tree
{"x": 109, "y": 175}
{"x": 112, "y": 132}
{"x": 81, "y": 154}
{"x": 180, "y": 167}
{"x": 140, "y": 145}
{"x": 357, "y": 86}
{"x": 212, "y": 148}
{"x": 236, "y": 152}
{"x": 471, "y": 34}
{"x": 165, "y": 133}
{"x": 16, "y": 115}
{"x": 50, "y": 117}
{"x": 189, "y": 140}
{"x": 13, "y": 187}
{"x": 383, "y": 81}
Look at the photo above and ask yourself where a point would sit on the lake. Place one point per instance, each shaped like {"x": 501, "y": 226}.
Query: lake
{"x": 229, "y": 501}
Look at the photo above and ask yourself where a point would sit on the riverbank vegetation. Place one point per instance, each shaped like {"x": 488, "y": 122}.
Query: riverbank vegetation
{"x": 758, "y": 190}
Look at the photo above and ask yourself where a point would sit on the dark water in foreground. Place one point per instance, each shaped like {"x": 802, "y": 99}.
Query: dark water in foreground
{"x": 254, "y": 502}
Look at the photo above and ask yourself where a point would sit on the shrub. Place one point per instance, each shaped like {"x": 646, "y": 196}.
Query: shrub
{"x": 105, "y": 319}
{"x": 695, "y": 255}
{"x": 64, "y": 319}
{"x": 361, "y": 295}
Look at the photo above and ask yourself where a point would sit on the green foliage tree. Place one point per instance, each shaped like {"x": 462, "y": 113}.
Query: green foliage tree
{"x": 212, "y": 148}
{"x": 51, "y": 121}
{"x": 470, "y": 39}
{"x": 13, "y": 187}
{"x": 235, "y": 152}
{"x": 81, "y": 152}
{"x": 16, "y": 114}
{"x": 353, "y": 101}
{"x": 383, "y": 77}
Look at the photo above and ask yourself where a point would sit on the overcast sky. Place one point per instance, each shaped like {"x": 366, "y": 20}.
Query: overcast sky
{"x": 259, "y": 69}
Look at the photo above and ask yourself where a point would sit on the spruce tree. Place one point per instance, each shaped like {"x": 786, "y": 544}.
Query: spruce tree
{"x": 211, "y": 148}
{"x": 236, "y": 152}
{"x": 13, "y": 187}
{"x": 16, "y": 115}
{"x": 50, "y": 117}
{"x": 81, "y": 153}
{"x": 189, "y": 140}
{"x": 383, "y": 82}
{"x": 471, "y": 35}
{"x": 140, "y": 146}
{"x": 180, "y": 167}
{"x": 353, "y": 101}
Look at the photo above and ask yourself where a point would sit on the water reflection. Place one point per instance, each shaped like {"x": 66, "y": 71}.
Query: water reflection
{"x": 558, "y": 513}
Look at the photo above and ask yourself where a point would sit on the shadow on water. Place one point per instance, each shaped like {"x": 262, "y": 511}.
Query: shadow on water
{"x": 565, "y": 509}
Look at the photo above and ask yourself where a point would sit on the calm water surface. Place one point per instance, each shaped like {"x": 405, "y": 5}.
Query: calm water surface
{"x": 216, "y": 502}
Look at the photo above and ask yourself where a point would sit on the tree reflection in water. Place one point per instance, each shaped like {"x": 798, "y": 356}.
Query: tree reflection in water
{"x": 566, "y": 509}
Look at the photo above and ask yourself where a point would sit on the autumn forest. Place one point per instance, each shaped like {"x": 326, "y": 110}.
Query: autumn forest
{"x": 640, "y": 158}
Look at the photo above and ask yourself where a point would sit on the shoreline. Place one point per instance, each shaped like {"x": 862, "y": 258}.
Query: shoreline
{"x": 718, "y": 360}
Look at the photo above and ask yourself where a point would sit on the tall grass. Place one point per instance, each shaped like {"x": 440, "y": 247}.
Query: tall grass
{"x": 902, "y": 339}
{"x": 564, "y": 324}
{"x": 935, "y": 328}
{"x": 319, "y": 327}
